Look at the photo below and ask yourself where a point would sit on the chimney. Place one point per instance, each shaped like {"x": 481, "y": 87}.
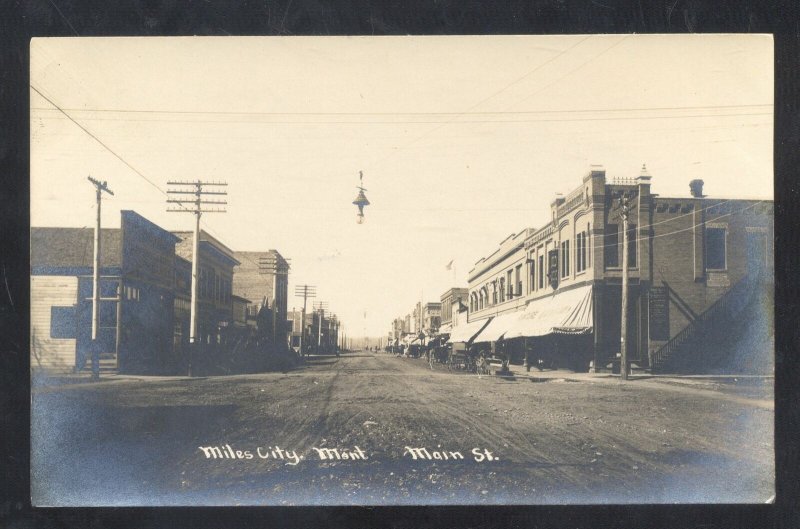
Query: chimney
{"x": 696, "y": 188}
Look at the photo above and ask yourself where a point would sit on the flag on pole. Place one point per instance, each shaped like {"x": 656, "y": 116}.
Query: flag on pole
{"x": 449, "y": 265}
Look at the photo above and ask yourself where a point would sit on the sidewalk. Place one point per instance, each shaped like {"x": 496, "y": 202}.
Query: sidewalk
{"x": 41, "y": 380}
{"x": 697, "y": 380}
{"x": 753, "y": 390}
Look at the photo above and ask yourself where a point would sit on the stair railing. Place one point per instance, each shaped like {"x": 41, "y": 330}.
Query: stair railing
{"x": 712, "y": 314}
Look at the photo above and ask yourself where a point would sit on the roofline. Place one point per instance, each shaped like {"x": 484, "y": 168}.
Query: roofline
{"x": 525, "y": 233}
{"x": 149, "y": 224}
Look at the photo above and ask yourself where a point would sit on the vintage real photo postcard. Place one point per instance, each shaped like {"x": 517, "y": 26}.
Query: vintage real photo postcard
{"x": 402, "y": 270}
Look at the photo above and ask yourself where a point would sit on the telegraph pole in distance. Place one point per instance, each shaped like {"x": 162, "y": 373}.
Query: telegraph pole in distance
{"x": 196, "y": 205}
{"x": 321, "y": 306}
{"x": 271, "y": 264}
{"x": 625, "y": 209}
{"x": 100, "y": 187}
{"x": 307, "y": 291}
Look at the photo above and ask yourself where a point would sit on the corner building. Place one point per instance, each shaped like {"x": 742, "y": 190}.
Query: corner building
{"x": 700, "y": 282}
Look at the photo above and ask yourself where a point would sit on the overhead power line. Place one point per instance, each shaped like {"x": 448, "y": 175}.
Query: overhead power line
{"x": 98, "y": 140}
{"x": 454, "y": 121}
{"x": 402, "y": 113}
{"x": 117, "y": 155}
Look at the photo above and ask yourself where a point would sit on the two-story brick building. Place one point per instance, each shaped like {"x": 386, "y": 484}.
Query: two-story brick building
{"x": 215, "y": 280}
{"x": 263, "y": 277}
{"x": 694, "y": 263}
{"x": 452, "y": 302}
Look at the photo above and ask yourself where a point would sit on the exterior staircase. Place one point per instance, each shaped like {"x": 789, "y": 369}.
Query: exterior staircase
{"x": 108, "y": 364}
{"x": 709, "y": 343}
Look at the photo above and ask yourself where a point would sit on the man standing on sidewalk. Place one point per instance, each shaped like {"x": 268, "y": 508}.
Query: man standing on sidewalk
{"x": 529, "y": 356}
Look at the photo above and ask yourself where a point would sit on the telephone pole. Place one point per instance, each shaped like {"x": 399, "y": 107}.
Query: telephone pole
{"x": 276, "y": 265}
{"x": 197, "y": 206}
{"x": 321, "y": 306}
{"x": 307, "y": 291}
{"x": 625, "y": 209}
{"x": 100, "y": 187}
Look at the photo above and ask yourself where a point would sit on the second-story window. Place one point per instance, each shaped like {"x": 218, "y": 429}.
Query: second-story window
{"x": 510, "y": 284}
{"x": 518, "y": 279}
{"x": 632, "y": 245}
{"x": 611, "y": 246}
{"x": 565, "y": 258}
{"x": 502, "y": 291}
{"x": 541, "y": 271}
{"x": 715, "y": 249}
{"x": 580, "y": 252}
{"x": 531, "y": 274}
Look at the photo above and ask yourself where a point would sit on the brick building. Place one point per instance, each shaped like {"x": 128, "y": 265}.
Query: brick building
{"x": 263, "y": 277}
{"x": 698, "y": 266}
{"x": 215, "y": 279}
{"x": 450, "y": 299}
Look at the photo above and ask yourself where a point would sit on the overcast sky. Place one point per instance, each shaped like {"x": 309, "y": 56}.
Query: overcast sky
{"x": 462, "y": 140}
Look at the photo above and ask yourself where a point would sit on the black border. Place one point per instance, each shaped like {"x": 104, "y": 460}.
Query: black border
{"x": 20, "y": 20}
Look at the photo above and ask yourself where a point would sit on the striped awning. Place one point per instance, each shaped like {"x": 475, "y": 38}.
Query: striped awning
{"x": 563, "y": 312}
{"x": 467, "y": 331}
{"x": 497, "y": 328}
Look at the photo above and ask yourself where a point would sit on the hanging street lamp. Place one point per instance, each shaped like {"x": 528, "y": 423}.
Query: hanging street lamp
{"x": 361, "y": 199}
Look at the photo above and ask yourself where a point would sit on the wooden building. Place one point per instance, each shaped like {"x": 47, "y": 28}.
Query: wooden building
{"x": 136, "y": 287}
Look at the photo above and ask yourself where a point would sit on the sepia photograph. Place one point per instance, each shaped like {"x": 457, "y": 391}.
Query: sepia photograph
{"x": 406, "y": 270}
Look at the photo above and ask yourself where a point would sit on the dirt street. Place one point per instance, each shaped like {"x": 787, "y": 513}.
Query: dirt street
{"x": 262, "y": 439}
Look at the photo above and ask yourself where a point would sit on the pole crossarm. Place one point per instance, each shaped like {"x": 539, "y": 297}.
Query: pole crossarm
{"x": 196, "y": 211}
{"x": 186, "y": 192}
{"x": 186, "y": 201}
{"x": 101, "y": 186}
{"x": 195, "y": 183}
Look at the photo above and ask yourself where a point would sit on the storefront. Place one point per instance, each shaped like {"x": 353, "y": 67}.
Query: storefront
{"x": 556, "y": 330}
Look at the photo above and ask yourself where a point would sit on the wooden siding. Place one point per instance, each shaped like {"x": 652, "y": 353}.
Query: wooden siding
{"x": 47, "y": 292}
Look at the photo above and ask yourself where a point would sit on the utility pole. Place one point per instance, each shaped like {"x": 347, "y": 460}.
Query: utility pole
{"x": 100, "y": 187}
{"x": 307, "y": 291}
{"x": 274, "y": 264}
{"x": 321, "y": 306}
{"x": 197, "y": 206}
{"x": 625, "y": 207}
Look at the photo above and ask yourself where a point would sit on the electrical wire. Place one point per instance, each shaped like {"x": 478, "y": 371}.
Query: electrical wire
{"x": 463, "y": 113}
{"x": 120, "y": 158}
{"x": 442, "y": 122}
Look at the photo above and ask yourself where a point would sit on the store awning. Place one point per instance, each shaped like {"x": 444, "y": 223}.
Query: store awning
{"x": 564, "y": 312}
{"x": 497, "y": 328}
{"x": 465, "y": 333}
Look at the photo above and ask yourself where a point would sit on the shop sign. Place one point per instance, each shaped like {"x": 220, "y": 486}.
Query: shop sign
{"x": 658, "y": 304}
{"x": 552, "y": 268}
